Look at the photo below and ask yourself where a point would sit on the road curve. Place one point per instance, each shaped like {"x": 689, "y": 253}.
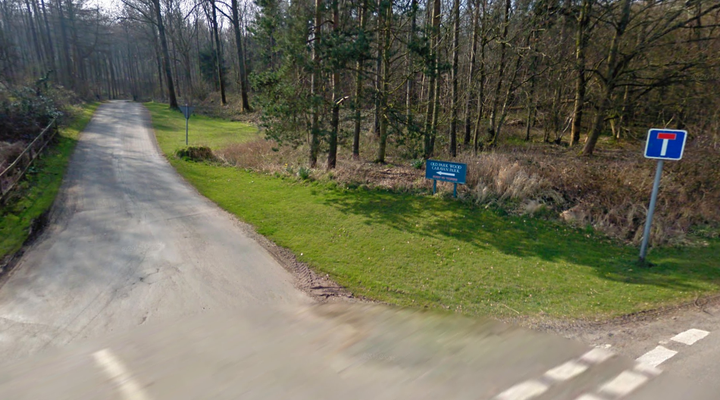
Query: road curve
{"x": 129, "y": 241}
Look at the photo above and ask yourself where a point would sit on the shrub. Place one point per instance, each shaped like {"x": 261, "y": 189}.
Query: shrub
{"x": 304, "y": 173}
{"x": 199, "y": 153}
{"x": 25, "y": 111}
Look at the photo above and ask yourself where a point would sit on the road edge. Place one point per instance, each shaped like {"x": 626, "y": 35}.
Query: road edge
{"x": 319, "y": 287}
{"x": 38, "y": 226}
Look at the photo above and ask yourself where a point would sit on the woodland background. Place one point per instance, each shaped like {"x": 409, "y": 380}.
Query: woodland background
{"x": 548, "y": 101}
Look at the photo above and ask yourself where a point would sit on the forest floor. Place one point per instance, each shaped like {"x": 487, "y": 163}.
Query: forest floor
{"x": 414, "y": 249}
{"x": 29, "y": 202}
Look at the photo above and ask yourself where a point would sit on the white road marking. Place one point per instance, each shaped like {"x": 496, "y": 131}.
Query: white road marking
{"x": 656, "y": 356}
{"x": 647, "y": 369}
{"x": 589, "y": 397}
{"x": 523, "y": 391}
{"x": 118, "y": 374}
{"x": 690, "y": 336}
{"x": 596, "y": 356}
{"x": 566, "y": 371}
{"x": 623, "y": 384}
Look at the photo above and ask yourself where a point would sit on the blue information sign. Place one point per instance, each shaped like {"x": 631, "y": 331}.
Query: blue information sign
{"x": 446, "y": 171}
{"x": 187, "y": 111}
{"x": 665, "y": 144}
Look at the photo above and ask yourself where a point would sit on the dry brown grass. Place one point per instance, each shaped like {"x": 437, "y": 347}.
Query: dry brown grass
{"x": 609, "y": 191}
{"x": 210, "y": 106}
{"x": 8, "y": 153}
{"x": 501, "y": 177}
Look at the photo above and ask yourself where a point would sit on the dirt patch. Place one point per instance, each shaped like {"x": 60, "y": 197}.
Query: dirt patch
{"x": 632, "y": 334}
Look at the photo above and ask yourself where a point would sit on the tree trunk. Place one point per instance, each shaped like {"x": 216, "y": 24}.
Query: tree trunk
{"x": 475, "y": 12}
{"x": 410, "y": 70}
{"x": 359, "y": 87}
{"x": 314, "y": 78}
{"x": 481, "y": 83}
{"x": 335, "y": 122}
{"x": 158, "y": 59}
{"x": 34, "y": 35}
{"x": 241, "y": 57}
{"x": 531, "y": 106}
{"x": 581, "y": 39}
{"x": 218, "y": 53}
{"x": 492, "y": 130}
{"x": 436, "y": 113}
{"x": 385, "y": 81}
{"x": 455, "y": 94}
{"x": 430, "y": 120}
{"x": 81, "y": 84}
{"x": 166, "y": 55}
{"x": 48, "y": 38}
{"x": 610, "y": 80}
{"x": 69, "y": 79}
{"x": 113, "y": 79}
{"x": 506, "y": 102}
{"x": 378, "y": 69}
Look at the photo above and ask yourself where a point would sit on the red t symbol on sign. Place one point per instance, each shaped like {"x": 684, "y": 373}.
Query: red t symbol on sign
{"x": 665, "y": 136}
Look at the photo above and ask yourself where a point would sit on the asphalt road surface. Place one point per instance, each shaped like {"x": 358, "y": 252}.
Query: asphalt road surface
{"x": 141, "y": 289}
{"x": 666, "y": 337}
{"x": 130, "y": 241}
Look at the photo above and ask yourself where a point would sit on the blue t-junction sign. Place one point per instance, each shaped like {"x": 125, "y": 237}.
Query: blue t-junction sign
{"x": 665, "y": 144}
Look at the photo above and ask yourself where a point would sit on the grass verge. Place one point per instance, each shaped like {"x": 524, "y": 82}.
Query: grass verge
{"x": 202, "y": 131}
{"x": 435, "y": 252}
{"x": 37, "y": 191}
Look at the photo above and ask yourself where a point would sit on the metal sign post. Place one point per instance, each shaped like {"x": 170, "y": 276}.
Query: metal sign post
{"x": 447, "y": 172}
{"x": 187, "y": 111}
{"x": 662, "y": 144}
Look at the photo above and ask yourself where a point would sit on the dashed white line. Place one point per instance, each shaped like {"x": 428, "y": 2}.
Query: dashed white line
{"x": 524, "y": 391}
{"x": 566, "y": 371}
{"x": 656, "y": 356}
{"x": 647, "y": 369}
{"x": 589, "y": 397}
{"x": 690, "y": 336}
{"x": 623, "y": 384}
{"x": 532, "y": 388}
{"x": 596, "y": 355}
{"x": 645, "y": 366}
{"x": 118, "y": 374}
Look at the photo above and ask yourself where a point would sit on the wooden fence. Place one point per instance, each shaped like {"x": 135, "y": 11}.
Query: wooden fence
{"x": 10, "y": 177}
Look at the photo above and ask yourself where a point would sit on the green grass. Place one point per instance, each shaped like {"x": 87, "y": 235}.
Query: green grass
{"x": 37, "y": 191}
{"x": 202, "y": 131}
{"x": 431, "y": 251}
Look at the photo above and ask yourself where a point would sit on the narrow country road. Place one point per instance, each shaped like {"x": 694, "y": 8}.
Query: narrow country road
{"x": 130, "y": 241}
